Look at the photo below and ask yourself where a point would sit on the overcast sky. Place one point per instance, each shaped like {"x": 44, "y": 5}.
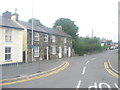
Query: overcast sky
{"x": 99, "y": 15}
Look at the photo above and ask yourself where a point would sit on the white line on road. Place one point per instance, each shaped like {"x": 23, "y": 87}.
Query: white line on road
{"x": 87, "y": 62}
{"x": 78, "y": 86}
{"x": 116, "y": 86}
{"x": 83, "y": 71}
{"x": 93, "y": 58}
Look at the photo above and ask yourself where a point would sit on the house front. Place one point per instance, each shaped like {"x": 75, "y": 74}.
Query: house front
{"x": 10, "y": 40}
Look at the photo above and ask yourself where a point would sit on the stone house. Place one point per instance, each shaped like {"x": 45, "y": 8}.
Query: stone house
{"x": 11, "y": 44}
{"x": 60, "y": 43}
{"x": 48, "y": 43}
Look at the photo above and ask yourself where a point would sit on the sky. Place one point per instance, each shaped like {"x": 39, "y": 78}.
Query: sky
{"x": 101, "y": 16}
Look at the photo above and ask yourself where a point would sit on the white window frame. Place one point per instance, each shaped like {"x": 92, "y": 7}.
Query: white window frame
{"x": 45, "y": 37}
{"x": 65, "y": 49}
{"x": 36, "y": 51}
{"x": 53, "y": 38}
{"x": 65, "y": 40}
{"x": 53, "y": 50}
{"x": 8, "y": 53}
{"x": 36, "y": 36}
{"x": 8, "y": 35}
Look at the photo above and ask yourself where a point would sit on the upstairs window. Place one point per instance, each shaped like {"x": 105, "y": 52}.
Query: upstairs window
{"x": 53, "y": 38}
{"x": 65, "y": 40}
{"x": 8, "y": 35}
{"x": 36, "y": 36}
{"x": 45, "y": 37}
{"x": 8, "y": 53}
{"x": 36, "y": 51}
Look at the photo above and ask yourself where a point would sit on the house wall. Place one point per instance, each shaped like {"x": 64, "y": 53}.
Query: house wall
{"x": 16, "y": 45}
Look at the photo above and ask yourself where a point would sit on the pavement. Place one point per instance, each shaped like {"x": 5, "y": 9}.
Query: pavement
{"x": 24, "y": 69}
{"x": 114, "y": 63}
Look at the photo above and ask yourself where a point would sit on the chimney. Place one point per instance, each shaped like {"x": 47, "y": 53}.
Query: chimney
{"x": 59, "y": 27}
{"x": 7, "y": 14}
{"x": 15, "y": 16}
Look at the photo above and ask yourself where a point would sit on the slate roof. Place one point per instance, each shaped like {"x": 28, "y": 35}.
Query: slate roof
{"x": 5, "y": 22}
{"x": 29, "y": 26}
{"x": 55, "y": 31}
{"x": 44, "y": 29}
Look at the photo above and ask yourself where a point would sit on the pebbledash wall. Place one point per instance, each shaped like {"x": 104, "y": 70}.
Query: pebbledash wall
{"x": 15, "y": 45}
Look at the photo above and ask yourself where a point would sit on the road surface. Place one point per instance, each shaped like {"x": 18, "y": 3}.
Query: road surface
{"x": 83, "y": 72}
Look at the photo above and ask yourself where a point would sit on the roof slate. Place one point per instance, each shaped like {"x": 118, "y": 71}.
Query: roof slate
{"x": 5, "y": 22}
{"x": 44, "y": 29}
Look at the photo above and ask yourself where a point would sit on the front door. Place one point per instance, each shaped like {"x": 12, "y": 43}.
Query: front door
{"x": 46, "y": 53}
{"x": 69, "y": 51}
{"x": 60, "y": 52}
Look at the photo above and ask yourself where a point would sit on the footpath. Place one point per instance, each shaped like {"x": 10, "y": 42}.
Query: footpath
{"x": 24, "y": 69}
{"x": 114, "y": 63}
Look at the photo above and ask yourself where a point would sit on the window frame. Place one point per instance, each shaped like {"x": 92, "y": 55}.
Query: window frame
{"x": 65, "y": 49}
{"x": 53, "y": 38}
{"x": 8, "y": 53}
{"x": 36, "y": 36}
{"x": 36, "y": 51}
{"x": 45, "y": 37}
{"x": 65, "y": 40}
{"x": 54, "y": 50}
{"x": 8, "y": 35}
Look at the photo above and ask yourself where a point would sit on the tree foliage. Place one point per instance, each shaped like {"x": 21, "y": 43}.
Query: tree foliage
{"x": 68, "y": 26}
{"x": 35, "y": 22}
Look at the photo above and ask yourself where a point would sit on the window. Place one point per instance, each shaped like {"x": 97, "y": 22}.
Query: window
{"x": 45, "y": 37}
{"x": 8, "y": 35}
{"x": 65, "y": 40}
{"x": 8, "y": 53}
{"x": 36, "y": 36}
{"x": 65, "y": 50}
{"x": 36, "y": 51}
{"x": 53, "y": 49}
{"x": 53, "y": 38}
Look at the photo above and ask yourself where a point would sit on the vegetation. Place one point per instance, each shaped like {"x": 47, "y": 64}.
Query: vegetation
{"x": 80, "y": 45}
{"x": 68, "y": 26}
{"x": 119, "y": 55}
{"x": 35, "y": 22}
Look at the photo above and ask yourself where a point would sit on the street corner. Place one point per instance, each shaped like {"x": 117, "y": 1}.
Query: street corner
{"x": 34, "y": 76}
{"x": 110, "y": 70}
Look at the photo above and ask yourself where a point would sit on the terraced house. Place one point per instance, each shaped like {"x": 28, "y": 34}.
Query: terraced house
{"x": 11, "y": 45}
{"x": 49, "y": 43}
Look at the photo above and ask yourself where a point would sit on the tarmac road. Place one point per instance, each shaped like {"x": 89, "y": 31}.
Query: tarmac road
{"x": 83, "y": 72}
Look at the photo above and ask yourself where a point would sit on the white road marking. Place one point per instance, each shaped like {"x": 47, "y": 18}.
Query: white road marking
{"x": 102, "y": 83}
{"x": 83, "y": 71}
{"x": 87, "y": 62}
{"x": 116, "y": 86}
{"x": 93, "y": 58}
{"x": 78, "y": 86}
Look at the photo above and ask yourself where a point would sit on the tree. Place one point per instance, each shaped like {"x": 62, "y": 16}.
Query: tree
{"x": 35, "y": 22}
{"x": 68, "y": 26}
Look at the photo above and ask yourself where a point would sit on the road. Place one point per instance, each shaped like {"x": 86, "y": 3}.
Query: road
{"x": 83, "y": 72}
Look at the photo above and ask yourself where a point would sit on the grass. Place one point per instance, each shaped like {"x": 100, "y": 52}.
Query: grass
{"x": 119, "y": 55}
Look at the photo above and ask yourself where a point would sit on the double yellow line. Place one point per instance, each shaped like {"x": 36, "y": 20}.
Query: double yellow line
{"x": 53, "y": 71}
{"x": 110, "y": 71}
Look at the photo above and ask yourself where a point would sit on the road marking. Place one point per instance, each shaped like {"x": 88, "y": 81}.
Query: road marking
{"x": 78, "y": 86}
{"x": 37, "y": 77}
{"x": 116, "y": 86}
{"x": 100, "y": 85}
{"x": 93, "y": 59}
{"x": 110, "y": 71}
{"x": 87, "y": 62}
{"x": 83, "y": 71}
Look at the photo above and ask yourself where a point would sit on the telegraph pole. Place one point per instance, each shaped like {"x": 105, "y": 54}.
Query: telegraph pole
{"x": 32, "y": 45}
